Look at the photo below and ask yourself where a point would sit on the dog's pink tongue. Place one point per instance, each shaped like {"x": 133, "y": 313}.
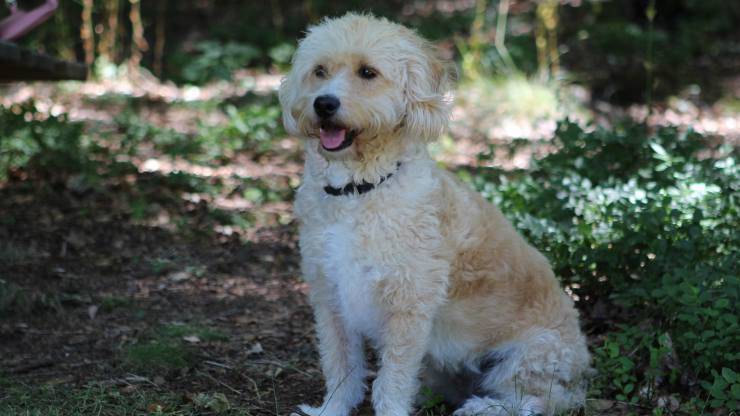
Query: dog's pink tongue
{"x": 331, "y": 138}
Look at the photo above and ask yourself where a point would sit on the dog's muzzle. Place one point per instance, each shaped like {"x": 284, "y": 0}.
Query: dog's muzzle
{"x": 333, "y": 136}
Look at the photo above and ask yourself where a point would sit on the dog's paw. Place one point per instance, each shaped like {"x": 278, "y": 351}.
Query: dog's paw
{"x": 306, "y": 410}
{"x": 483, "y": 406}
{"x": 332, "y": 408}
{"x": 487, "y": 406}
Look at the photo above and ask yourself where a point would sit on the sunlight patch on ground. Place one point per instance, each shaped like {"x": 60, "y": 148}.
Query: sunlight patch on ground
{"x": 513, "y": 107}
{"x": 78, "y": 99}
{"x": 246, "y": 168}
{"x": 495, "y": 111}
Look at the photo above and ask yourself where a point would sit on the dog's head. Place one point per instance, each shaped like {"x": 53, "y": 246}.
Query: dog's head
{"x": 357, "y": 78}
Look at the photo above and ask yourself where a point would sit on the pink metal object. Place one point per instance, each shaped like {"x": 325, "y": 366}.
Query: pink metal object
{"x": 21, "y": 22}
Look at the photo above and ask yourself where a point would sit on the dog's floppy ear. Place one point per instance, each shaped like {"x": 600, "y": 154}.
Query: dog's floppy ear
{"x": 287, "y": 95}
{"x": 428, "y": 82}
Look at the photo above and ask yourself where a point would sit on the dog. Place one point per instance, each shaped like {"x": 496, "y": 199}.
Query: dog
{"x": 399, "y": 253}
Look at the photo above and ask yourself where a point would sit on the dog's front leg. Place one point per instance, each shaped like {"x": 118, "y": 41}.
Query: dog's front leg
{"x": 342, "y": 360}
{"x": 403, "y": 344}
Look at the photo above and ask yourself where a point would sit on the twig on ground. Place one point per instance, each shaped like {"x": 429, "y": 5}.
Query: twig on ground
{"x": 33, "y": 366}
{"x": 255, "y": 386}
{"x": 132, "y": 379}
{"x": 233, "y": 390}
{"x": 279, "y": 364}
{"x": 274, "y": 395}
{"x": 217, "y": 364}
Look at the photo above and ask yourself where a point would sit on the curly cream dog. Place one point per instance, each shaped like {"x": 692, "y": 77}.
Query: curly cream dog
{"x": 399, "y": 253}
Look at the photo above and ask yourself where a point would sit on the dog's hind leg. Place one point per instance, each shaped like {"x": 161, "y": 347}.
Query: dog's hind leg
{"x": 539, "y": 374}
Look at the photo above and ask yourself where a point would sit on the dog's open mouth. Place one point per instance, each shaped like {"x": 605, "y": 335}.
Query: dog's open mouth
{"x": 335, "y": 137}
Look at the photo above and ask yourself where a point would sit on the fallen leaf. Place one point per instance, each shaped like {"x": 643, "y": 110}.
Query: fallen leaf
{"x": 669, "y": 402}
{"x": 193, "y": 339}
{"x": 128, "y": 389}
{"x": 103, "y": 262}
{"x": 92, "y": 311}
{"x": 274, "y": 372}
{"x": 600, "y": 404}
{"x": 255, "y": 349}
{"x": 179, "y": 276}
{"x": 76, "y": 239}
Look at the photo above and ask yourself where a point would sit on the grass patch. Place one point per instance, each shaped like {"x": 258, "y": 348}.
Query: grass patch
{"x": 15, "y": 300}
{"x": 157, "y": 355}
{"x": 161, "y": 265}
{"x": 166, "y": 348}
{"x": 113, "y": 302}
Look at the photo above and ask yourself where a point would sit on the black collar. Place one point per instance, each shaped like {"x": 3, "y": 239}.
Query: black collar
{"x": 360, "y": 188}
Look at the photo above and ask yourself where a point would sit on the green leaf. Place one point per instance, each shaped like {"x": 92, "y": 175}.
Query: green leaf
{"x": 729, "y": 375}
{"x": 718, "y": 394}
{"x": 626, "y": 363}
{"x": 735, "y": 391}
{"x": 659, "y": 150}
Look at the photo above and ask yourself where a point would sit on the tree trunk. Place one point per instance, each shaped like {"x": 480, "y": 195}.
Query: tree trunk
{"x": 159, "y": 38}
{"x": 138, "y": 42}
{"x": 546, "y": 38}
{"x": 86, "y": 32}
{"x": 107, "y": 44}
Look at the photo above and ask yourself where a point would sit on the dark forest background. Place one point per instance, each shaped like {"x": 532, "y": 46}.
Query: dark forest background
{"x": 604, "y": 44}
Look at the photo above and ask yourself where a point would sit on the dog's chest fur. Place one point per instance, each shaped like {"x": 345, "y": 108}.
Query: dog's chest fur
{"x": 352, "y": 276}
{"x": 353, "y": 242}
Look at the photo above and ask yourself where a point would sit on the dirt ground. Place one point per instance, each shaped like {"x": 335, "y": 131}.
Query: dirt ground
{"x": 92, "y": 286}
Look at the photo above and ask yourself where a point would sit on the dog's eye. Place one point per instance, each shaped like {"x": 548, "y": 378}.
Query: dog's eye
{"x": 320, "y": 72}
{"x": 367, "y": 72}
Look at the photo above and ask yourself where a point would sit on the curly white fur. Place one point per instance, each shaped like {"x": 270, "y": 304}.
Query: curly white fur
{"x": 433, "y": 275}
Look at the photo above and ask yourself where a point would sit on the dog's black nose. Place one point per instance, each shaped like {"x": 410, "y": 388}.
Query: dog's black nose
{"x": 326, "y": 105}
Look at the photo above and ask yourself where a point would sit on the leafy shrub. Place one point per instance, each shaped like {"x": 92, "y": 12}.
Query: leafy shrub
{"x": 216, "y": 60}
{"x": 642, "y": 221}
{"x": 281, "y": 54}
{"x": 50, "y": 143}
{"x": 137, "y": 131}
{"x": 55, "y": 147}
{"x": 252, "y": 127}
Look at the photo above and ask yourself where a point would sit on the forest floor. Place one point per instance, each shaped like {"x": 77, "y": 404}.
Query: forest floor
{"x": 173, "y": 287}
